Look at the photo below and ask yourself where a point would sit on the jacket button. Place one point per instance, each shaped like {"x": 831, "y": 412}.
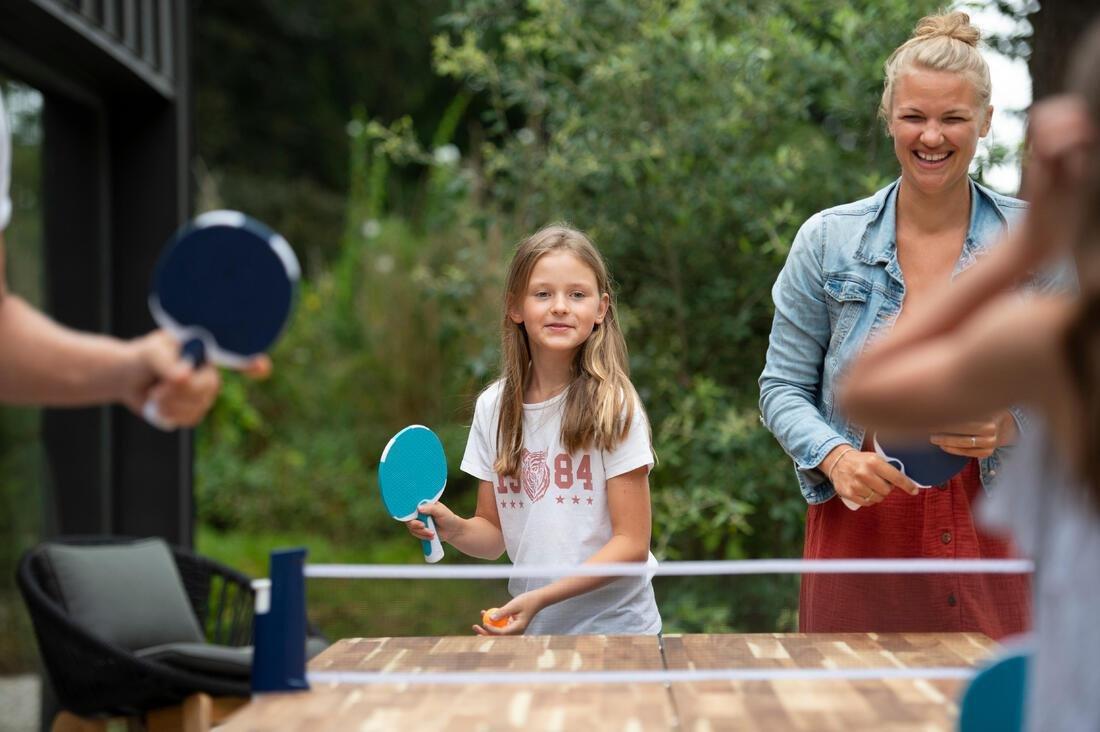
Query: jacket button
{"x": 951, "y": 600}
{"x": 945, "y": 537}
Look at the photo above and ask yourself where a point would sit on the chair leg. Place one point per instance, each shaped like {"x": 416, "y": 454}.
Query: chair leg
{"x": 69, "y": 722}
{"x": 198, "y": 713}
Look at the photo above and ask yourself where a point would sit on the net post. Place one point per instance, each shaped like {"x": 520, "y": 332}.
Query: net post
{"x": 279, "y": 626}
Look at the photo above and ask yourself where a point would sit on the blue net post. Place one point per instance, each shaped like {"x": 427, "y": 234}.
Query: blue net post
{"x": 279, "y": 628}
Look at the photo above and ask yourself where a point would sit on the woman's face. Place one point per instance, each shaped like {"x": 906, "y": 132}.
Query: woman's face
{"x": 936, "y": 123}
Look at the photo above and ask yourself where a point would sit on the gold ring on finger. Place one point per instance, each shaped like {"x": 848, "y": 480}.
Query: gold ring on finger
{"x": 973, "y": 441}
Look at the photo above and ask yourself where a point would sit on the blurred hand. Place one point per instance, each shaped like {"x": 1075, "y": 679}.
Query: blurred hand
{"x": 1059, "y": 135}
{"x": 183, "y": 394}
{"x": 521, "y": 609}
{"x": 866, "y": 479}
{"x": 447, "y": 523}
{"x": 977, "y": 439}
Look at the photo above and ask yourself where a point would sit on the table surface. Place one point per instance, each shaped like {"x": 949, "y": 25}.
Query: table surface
{"x": 787, "y": 704}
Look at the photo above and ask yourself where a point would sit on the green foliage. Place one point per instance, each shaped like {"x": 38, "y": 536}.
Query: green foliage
{"x": 690, "y": 139}
{"x": 21, "y": 476}
{"x": 380, "y": 339}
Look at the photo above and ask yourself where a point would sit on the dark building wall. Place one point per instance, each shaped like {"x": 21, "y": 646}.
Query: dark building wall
{"x": 117, "y": 139}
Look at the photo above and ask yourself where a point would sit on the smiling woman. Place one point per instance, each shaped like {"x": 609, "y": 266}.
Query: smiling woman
{"x": 853, "y": 271}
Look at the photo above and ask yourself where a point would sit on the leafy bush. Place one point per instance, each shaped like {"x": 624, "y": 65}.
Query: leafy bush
{"x": 690, "y": 139}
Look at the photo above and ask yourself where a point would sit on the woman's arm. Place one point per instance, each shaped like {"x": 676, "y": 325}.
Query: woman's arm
{"x": 791, "y": 380}
{"x": 478, "y": 536}
{"x": 631, "y": 524}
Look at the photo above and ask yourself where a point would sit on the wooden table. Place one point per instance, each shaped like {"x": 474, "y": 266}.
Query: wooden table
{"x": 787, "y": 704}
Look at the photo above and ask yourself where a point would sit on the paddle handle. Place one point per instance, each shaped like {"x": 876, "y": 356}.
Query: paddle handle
{"x": 433, "y": 549}
{"x": 194, "y": 352}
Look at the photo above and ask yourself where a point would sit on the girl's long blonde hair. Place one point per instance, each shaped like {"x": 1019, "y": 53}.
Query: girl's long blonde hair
{"x": 600, "y": 400}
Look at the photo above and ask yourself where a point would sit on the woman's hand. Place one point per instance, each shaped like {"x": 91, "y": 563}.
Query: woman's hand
{"x": 447, "y": 523}
{"x": 865, "y": 478}
{"x": 519, "y": 612}
{"x": 977, "y": 439}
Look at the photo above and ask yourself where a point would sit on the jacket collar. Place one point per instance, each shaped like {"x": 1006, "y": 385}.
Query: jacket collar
{"x": 879, "y": 243}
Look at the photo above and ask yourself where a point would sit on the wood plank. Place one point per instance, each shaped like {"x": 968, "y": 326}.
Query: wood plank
{"x": 475, "y": 706}
{"x": 592, "y": 708}
{"x": 476, "y": 653}
{"x": 899, "y": 705}
{"x": 826, "y": 650}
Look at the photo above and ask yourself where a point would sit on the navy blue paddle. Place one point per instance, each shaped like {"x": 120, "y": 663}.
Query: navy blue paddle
{"x": 224, "y": 287}
{"x": 922, "y": 462}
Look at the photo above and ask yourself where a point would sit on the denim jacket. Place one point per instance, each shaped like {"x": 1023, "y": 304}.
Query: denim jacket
{"x": 841, "y": 284}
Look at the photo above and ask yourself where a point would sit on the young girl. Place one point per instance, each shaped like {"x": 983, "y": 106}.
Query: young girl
{"x": 561, "y": 446}
{"x": 981, "y": 346}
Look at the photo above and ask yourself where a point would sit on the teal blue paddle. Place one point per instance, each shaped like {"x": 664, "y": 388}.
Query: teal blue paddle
{"x": 413, "y": 471}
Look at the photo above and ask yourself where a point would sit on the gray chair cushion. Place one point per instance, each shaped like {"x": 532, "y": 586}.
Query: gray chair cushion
{"x": 207, "y": 658}
{"x": 129, "y": 594}
{"x": 203, "y": 658}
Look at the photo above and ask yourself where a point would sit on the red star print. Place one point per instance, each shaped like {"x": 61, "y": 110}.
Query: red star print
{"x": 513, "y": 504}
{"x": 589, "y": 501}
{"x": 576, "y": 500}
{"x": 561, "y": 499}
{"x": 504, "y": 504}
{"x": 521, "y": 504}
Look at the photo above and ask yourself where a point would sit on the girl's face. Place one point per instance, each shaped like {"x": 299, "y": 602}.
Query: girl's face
{"x": 936, "y": 123}
{"x": 561, "y": 304}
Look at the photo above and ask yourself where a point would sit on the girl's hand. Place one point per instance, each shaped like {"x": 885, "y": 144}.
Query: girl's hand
{"x": 447, "y": 523}
{"x": 977, "y": 439}
{"x": 1059, "y": 135}
{"x": 520, "y": 611}
{"x": 866, "y": 479}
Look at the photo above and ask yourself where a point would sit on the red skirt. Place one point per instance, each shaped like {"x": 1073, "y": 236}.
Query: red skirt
{"x": 938, "y": 523}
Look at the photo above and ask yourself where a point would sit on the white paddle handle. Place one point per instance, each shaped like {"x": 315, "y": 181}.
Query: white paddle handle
{"x": 433, "y": 548}
{"x": 850, "y": 504}
{"x": 150, "y": 411}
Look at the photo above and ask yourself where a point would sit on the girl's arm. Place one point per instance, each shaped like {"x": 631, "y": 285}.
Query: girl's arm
{"x": 631, "y": 524}
{"x": 478, "y": 536}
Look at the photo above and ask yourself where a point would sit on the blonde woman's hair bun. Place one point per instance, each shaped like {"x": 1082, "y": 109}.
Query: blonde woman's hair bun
{"x": 946, "y": 42}
{"x": 955, "y": 25}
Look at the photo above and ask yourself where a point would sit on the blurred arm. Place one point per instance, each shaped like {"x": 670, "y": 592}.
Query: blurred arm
{"x": 1008, "y": 351}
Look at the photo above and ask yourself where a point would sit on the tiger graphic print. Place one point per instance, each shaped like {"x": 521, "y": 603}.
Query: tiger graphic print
{"x": 534, "y": 474}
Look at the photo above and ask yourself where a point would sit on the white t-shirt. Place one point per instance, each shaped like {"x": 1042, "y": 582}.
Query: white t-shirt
{"x": 556, "y": 513}
{"x": 5, "y": 167}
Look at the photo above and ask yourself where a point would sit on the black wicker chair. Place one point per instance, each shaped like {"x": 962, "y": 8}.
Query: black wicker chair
{"x": 93, "y": 677}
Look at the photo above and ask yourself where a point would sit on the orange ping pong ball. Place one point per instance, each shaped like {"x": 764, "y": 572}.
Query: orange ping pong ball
{"x": 487, "y": 618}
